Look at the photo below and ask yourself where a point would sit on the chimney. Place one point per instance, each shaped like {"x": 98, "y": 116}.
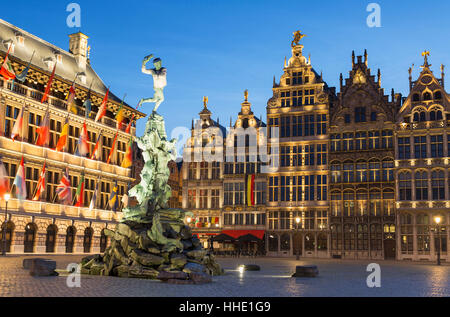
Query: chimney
{"x": 78, "y": 46}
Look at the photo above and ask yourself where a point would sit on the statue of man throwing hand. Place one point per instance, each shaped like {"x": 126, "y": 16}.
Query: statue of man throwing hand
{"x": 159, "y": 74}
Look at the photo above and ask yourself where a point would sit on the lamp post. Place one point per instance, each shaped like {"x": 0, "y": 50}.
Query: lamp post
{"x": 297, "y": 221}
{"x": 5, "y": 226}
{"x": 437, "y": 220}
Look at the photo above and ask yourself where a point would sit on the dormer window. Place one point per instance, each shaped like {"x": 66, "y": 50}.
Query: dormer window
{"x": 297, "y": 78}
{"x": 419, "y": 116}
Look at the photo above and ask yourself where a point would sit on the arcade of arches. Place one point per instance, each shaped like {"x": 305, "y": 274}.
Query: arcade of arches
{"x": 45, "y": 236}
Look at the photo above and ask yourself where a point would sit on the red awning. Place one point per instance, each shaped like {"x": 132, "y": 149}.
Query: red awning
{"x": 239, "y": 233}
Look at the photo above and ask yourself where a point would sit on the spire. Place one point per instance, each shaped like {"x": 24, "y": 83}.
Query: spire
{"x": 231, "y": 122}
{"x": 379, "y": 77}
{"x": 341, "y": 79}
{"x": 274, "y": 82}
{"x": 309, "y": 59}
{"x": 192, "y": 126}
{"x": 246, "y": 95}
{"x": 392, "y": 94}
{"x": 285, "y": 63}
{"x": 353, "y": 59}
{"x": 365, "y": 57}
{"x": 425, "y": 55}
{"x": 442, "y": 75}
{"x": 410, "y": 76}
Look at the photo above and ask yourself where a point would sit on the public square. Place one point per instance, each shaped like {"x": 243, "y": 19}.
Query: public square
{"x": 337, "y": 278}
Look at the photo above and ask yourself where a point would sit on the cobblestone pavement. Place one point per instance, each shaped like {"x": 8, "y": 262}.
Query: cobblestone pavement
{"x": 337, "y": 278}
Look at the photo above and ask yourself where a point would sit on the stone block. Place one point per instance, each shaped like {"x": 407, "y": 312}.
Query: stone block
{"x": 200, "y": 278}
{"x": 306, "y": 271}
{"x": 41, "y": 267}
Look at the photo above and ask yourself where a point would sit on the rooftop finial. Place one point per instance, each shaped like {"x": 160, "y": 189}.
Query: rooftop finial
{"x": 297, "y": 37}
{"x": 425, "y": 55}
{"x": 205, "y": 102}
{"x": 246, "y": 95}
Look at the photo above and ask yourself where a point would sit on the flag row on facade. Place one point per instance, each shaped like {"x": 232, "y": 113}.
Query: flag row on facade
{"x": 63, "y": 190}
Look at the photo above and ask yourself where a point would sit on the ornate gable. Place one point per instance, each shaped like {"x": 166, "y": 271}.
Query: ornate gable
{"x": 427, "y": 100}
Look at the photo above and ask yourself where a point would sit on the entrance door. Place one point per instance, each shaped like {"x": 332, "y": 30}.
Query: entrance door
{"x": 297, "y": 244}
{"x": 103, "y": 241}
{"x": 70, "y": 239}
{"x": 50, "y": 239}
{"x": 30, "y": 234}
{"x": 9, "y": 233}
{"x": 389, "y": 249}
{"x": 88, "y": 232}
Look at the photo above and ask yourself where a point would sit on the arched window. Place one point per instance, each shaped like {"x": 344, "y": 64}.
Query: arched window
{"x": 404, "y": 186}
{"x": 335, "y": 172}
{"x": 29, "y": 238}
{"x": 285, "y": 242}
{"x": 348, "y": 172}
{"x": 427, "y": 96}
{"x": 336, "y": 204}
{"x": 361, "y": 203}
{"x": 70, "y": 239}
{"x": 375, "y": 203}
{"x": 435, "y": 114}
{"x": 309, "y": 242}
{"x": 361, "y": 171}
{"x": 103, "y": 241}
{"x": 388, "y": 202}
{"x": 437, "y": 185}
{"x": 421, "y": 180}
{"x": 322, "y": 242}
{"x": 8, "y": 235}
{"x": 349, "y": 204}
{"x": 87, "y": 240}
{"x": 50, "y": 238}
{"x": 388, "y": 170}
{"x": 374, "y": 171}
{"x": 416, "y": 97}
{"x": 438, "y": 95}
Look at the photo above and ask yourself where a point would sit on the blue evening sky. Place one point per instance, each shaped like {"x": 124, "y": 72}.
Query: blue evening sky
{"x": 219, "y": 48}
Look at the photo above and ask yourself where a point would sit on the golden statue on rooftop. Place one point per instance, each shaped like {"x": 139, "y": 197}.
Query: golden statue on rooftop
{"x": 425, "y": 54}
{"x": 297, "y": 37}
{"x": 205, "y": 101}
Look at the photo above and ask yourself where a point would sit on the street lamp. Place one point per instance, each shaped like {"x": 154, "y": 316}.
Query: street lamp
{"x": 5, "y": 225}
{"x": 297, "y": 221}
{"x": 438, "y": 219}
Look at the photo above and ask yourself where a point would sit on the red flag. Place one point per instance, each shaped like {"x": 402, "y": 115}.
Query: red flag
{"x": 6, "y": 70}
{"x": 128, "y": 159}
{"x": 95, "y": 155}
{"x": 63, "y": 137}
{"x": 4, "y": 181}
{"x": 112, "y": 149}
{"x": 80, "y": 193}
{"x": 49, "y": 85}
{"x": 43, "y": 131}
{"x": 102, "y": 109}
{"x": 83, "y": 145}
{"x": 129, "y": 124}
{"x": 41, "y": 185}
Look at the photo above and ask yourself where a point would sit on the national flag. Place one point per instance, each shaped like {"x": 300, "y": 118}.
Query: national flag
{"x": 71, "y": 106}
{"x": 94, "y": 197}
{"x": 7, "y": 71}
{"x": 43, "y": 131}
{"x": 18, "y": 126}
{"x": 19, "y": 181}
{"x": 128, "y": 158}
{"x": 112, "y": 149}
{"x": 120, "y": 116}
{"x": 126, "y": 198}
{"x": 114, "y": 198}
{"x": 23, "y": 75}
{"x": 88, "y": 105}
{"x": 63, "y": 137}
{"x": 251, "y": 190}
{"x": 63, "y": 190}
{"x": 49, "y": 85}
{"x": 79, "y": 195}
{"x": 129, "y": 124}
{"x": 4, "y": 181}
{"x": 83, "y": 145}
{"x": 40, "y": 186}
{"x": 102, "y": 109}
{"x": 95, "y": 154}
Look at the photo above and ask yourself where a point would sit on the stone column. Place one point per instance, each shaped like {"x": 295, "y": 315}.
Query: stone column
{"x": 40, "y": 242}
{"x": 60, "y": 245}
{"x": 78, "y": 245}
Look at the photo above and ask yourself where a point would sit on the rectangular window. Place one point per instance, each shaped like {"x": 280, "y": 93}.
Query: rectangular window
{"x": 309, "y": 155}
{"x": 321, "y": 124}
{"x": 273, "y": 189}
{"x": 321, "y": 187}
{"x": 404, "y": 148}
{"x": 361, "y": 141}
{"x": 321, "y": 154}
{"x": 420, "y": 147}
{"x": 360, "y": 114}
{"x": 437, "y": 146}
{"x": 10, "y": 119}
